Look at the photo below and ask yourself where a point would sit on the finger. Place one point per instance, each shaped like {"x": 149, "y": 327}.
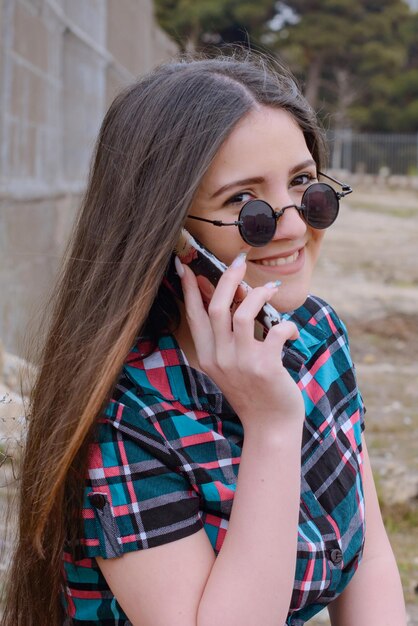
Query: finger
{"x": 197, "y": 318}
{"x": 246, "y": 312}
{"x": 279, "y": 334}
{"x": 220, "y": 305}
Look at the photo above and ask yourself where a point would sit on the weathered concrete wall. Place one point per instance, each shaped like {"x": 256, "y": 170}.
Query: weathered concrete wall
{"x": 61, "y": 63}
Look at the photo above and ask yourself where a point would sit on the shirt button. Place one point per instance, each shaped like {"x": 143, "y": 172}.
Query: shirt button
{"x": 336, "y": 556}
{"x": 98, "y": 500}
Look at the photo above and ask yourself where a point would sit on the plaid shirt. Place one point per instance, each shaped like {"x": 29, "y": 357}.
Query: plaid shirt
{"x": 166, "y": 457}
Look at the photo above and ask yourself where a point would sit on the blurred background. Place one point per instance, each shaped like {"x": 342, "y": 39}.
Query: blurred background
{"x": 61, "y": 64}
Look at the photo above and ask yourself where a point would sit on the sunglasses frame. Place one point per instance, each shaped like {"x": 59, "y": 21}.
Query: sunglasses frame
{"x": 345, "y": 190}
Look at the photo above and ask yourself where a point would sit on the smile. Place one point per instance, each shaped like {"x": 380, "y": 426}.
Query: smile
{"x": 280, "y": 260}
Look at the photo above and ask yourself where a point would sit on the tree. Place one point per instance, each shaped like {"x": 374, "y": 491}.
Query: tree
{"x": 357, "y": 59}
{"x": 201, "y": 23}
{"x": 392, "y": 101}
{"x": 351, "y": 51}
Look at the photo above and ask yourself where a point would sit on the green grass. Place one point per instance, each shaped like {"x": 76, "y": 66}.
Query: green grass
{"x": 400, "y": 518}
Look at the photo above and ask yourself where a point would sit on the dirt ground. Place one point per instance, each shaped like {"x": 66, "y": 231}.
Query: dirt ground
{"x": 369, "y": 273}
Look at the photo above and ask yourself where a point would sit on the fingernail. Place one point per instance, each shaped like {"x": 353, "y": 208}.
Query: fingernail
{"x": 273, "y": 285}
{"x": 239, "y": 260}
{"x": 179, "y": 267}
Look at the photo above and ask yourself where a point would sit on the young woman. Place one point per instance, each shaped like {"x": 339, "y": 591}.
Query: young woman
{"x": 178, "y": 470}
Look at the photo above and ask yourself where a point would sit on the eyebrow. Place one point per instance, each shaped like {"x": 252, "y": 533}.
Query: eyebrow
{"x": 256, "y": 180}
{"x": 237, "y": 183}
{"x": 301, "y": 166}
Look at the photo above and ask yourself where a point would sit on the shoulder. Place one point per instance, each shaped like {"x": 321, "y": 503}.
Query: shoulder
{"x": 157, "y": 395}
{"x": 158, "y": 373}
{"x": 328, "y": 377}
{"x": 317, "y": 313}
{"x": 152, "y": 368}
{"x": 320, "y": 328}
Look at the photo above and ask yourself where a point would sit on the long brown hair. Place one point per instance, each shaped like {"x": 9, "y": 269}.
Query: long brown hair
{"x": 156, "y": 142}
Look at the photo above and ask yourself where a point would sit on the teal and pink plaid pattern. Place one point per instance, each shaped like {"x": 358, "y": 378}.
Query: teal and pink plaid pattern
{"x": 166, "y": 456}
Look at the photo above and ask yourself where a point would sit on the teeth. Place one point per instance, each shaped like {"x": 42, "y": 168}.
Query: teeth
{"x": 281, "y": 261}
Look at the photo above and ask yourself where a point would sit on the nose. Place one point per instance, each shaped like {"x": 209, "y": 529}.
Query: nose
{"x": 290, "y": 224}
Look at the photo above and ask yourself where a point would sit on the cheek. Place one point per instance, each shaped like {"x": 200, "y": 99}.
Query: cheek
{"x": 316, "y": 239}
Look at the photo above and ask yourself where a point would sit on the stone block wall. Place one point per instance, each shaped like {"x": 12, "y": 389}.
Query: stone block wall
{"x": 61, "y": 63}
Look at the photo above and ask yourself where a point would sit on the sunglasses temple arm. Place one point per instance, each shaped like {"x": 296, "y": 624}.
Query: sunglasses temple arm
{"x": 346, "y": 189}
{"x": 214, "y": 222}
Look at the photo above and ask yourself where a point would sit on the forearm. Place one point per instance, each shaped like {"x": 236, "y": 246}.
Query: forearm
{"x": 252, "y": 579}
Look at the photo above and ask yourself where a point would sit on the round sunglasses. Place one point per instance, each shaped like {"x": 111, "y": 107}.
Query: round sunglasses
{"x": 257, "y": 219}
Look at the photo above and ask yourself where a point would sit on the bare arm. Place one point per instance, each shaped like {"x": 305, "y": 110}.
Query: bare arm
{"x": 374, "y": 595}
{"x": 251, "y": 580}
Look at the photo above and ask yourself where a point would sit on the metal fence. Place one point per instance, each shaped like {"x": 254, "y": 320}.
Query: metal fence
{"x": 374, "y": 153}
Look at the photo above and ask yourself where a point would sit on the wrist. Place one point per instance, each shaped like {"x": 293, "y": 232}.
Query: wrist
{"x": 277, "y": 435}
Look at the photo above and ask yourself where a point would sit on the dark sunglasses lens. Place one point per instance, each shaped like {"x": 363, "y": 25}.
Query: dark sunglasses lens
{"x": 321, "y": 205}
{"x": 258, "y": 223}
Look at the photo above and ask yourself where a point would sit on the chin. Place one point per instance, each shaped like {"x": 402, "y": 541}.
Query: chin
{"x": 285, "y": 302}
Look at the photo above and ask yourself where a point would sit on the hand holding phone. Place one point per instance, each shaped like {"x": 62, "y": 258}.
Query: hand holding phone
{"x": 208, "y": 269}
{"x": 252, "y": 374}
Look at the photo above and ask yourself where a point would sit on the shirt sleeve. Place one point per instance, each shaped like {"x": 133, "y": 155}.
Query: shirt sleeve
{"x": 137, "y": 495}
